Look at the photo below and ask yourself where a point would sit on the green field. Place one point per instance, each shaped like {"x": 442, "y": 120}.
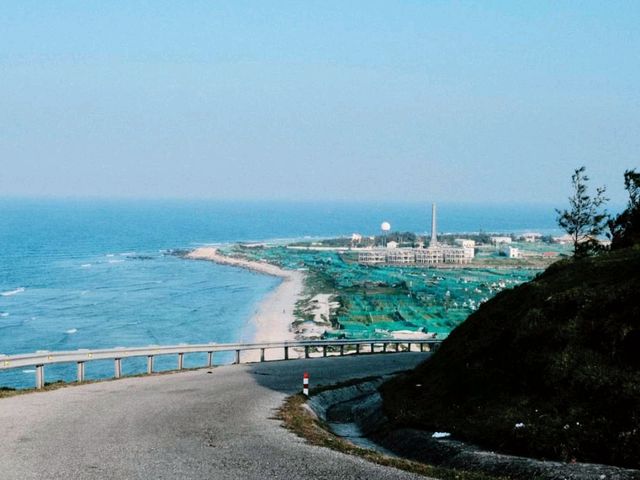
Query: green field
{"x": 375, "y": 301}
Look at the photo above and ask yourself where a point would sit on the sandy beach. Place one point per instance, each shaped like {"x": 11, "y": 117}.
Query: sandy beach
{"x": 275, "y": 315}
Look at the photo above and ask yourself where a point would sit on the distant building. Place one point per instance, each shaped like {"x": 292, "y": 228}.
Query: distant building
{"x": 465, "y": 243}
{"x": 356, "y": 238}
{"x": 510, "y": 252}
{"x": 373, "y": 257}
{"x": 434, "y": 254}
{"x": 400, "y": 256}
{"x": 563, "y": 240}
{"x": 568, "y": 239}
{"x": 500, "y": 240}
{"x": 469, "y": 253}
{"x": 531, "y": 237}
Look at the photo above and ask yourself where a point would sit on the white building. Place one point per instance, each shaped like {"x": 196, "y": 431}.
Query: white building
{"x": 401, "y": 256}
{"x": 563, "y": 240}
{"x": 510, "y": 252}
{"x": 372, "y": 257}
{"x": 464, "y": 243}
{"x": 500, "y": 240}
{"x": 531, "y": 237}
{"x": 429, "y": 256}
{"x": 469, "y": 253}
{"x": 392, "y": 244}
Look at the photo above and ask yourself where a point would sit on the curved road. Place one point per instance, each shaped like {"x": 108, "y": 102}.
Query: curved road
{"x": 204, "y": 424}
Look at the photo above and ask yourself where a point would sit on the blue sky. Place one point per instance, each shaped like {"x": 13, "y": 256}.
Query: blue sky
{"x": 407, "y": 101}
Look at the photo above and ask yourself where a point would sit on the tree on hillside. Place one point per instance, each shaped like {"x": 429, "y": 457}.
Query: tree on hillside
{"x": 625, "y": 228}
{"x": 584, "y": 221}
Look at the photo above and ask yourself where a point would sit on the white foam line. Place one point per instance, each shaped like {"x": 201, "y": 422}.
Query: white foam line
{"x": 12, "y": 292}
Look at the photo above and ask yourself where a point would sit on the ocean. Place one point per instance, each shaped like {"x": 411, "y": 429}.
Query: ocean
{"x": 96, "y": 274}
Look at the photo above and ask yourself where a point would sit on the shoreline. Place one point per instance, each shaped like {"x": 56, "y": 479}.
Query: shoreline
{"x": 274, "y": 317}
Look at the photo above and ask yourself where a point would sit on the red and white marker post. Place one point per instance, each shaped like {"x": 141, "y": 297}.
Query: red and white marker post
{"x": 305, "y": 384}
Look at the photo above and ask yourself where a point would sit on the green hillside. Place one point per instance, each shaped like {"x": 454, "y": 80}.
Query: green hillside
{"x": 549, "y": 369}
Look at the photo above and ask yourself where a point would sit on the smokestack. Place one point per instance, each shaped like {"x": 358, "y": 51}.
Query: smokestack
{"x": 434, "y": 238}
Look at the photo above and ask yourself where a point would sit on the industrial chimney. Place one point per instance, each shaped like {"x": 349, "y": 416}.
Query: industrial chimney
{"x": 434, "y": 238}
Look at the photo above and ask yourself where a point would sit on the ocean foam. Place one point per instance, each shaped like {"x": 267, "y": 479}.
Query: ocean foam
{"x": 116, "y": 261}
{"x": 28, "y": 371}
{"x": 85, "y": 265}
{"x": 71, "y": 331}
{"x": 4, "y": 314}
{"x": 12, "y": 292}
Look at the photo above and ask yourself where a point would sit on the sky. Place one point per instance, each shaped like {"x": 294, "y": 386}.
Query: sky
{"x": 463, "y": 101}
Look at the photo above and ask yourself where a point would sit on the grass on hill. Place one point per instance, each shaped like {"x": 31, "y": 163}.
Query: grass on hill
{"x": 549, "y": 369}
{"x": 305, "y": 424}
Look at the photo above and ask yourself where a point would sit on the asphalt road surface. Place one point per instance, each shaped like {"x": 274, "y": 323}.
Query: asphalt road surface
{"x": 204, "y": 424}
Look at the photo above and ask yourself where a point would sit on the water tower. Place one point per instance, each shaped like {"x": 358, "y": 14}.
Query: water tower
{"x": 385, "y": 227}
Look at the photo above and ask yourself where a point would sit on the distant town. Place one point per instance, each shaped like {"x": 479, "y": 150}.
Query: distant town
{"x": 445, "y": 251}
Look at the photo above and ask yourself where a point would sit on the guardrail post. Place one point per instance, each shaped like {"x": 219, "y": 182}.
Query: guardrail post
{"x": 209, "y": 359}
{"x": 306, "y": 351}
{"x": 422, "y": 347}
{"x": 372, "y": 348}
{"x": 117, "y": 367}
{"x": 180, "y": 361}
{"x": 39, "y": 376}
{"x": 384, "y": 347}
{"x": 237, "y": 357}
{"x": 80, "y": 372}
{"x": 324, "y": 350}
{"x": 149, "y": 364}
{"x": 397, "y": 346}
{"x": 341, "y": 350}
{"x": 262, "y": 354}
{"x": 357, "y": 348}
{"x": 286, "y": 353}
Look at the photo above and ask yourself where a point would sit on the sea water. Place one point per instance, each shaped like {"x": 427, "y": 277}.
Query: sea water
{"x": 96, "y": 274}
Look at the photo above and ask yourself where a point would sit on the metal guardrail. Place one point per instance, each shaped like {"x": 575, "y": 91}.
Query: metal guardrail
{"x": 80, "y": 357}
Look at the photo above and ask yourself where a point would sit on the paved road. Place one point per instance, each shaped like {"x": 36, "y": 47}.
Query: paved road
{"x": 188, "y": 425}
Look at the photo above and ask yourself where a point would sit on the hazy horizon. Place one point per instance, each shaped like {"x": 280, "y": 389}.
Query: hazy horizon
{"x": 470, "y": 102}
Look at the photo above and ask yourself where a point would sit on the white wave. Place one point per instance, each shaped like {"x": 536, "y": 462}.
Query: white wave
{"x": 71, "y": 331}
{"x": 126, "y": 254}
{"x": 110, "y": 255}
{"x": 28, "y": 371}
{"x": 12, "y": 292}
{"x": 4, "y": 314}
{"x": 116, "y": 261}
{"x": 85, "y": 265}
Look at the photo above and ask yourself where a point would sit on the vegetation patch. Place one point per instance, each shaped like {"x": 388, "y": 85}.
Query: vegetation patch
{"x": 550, "y": 369}
{"x": 302, "y": 422}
